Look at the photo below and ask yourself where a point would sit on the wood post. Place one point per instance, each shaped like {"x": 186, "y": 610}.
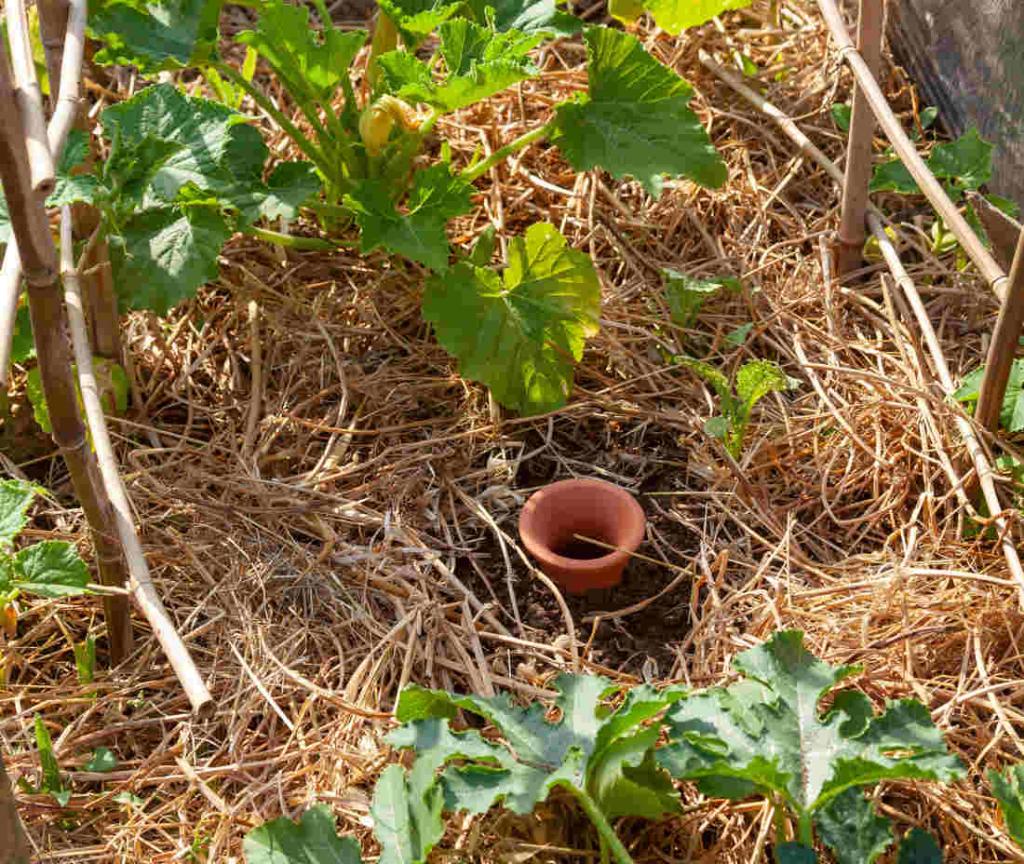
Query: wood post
{"x": 1003, "y": 348}
{"x": 852, "y": 226}
{"x": 13, "y": 843}
{"x": 49, "y": 327}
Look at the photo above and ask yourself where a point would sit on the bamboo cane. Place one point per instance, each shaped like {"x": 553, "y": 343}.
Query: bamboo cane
{"x": 53, "y": 25}
{"x": 13, "y": 843}
{"x": 1003, "y": 348}
{"x": 905, "y": 149}
{"x": 57, "y": 133}
{"x": 143, "y": 590}
{"x": 852, "y": 225}
{"x": 29, "y": 98}
{"x": 49, "y": 324}
{"x": 982, "y": 465}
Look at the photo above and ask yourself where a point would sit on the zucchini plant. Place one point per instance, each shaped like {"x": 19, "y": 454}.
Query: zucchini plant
{"x": 615, "y": 751}
{"x": 184, "y": 173}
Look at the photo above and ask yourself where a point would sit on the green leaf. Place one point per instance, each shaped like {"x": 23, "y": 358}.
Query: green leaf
{"x": 794, "y": 853}
{"x": 155, "y": 36}
{"x": 51, "y": 778}
{"x": 313, "y": 840}
{"x": 675, "y": 16}
{"x": 767, "y": 730}
{"x": 686, "y": 294}
{"x": 636, "y": 119}
{"x": 103, "y": 761}
{"x": 85, "y": 661}
{"x": 15, "y": 499}
{"x": 718, "y": 381}
{"x": 163, "y": 141}
{"x": 73, "y": 186}
{"x": 310, "y": 62}
{"x": 417, "y": 19}
{"x": 841, "y": 114}
{"x": 1008, "y": 789}
{"x": 893, "y": 176}
{"x": 928, "y": 116}
{"x": 852, "y": 829}
{"x": 919, "y": 847}
{"x": 483, "y": 249}
{"x": 1011, "y": 415}
{"x": 738, "y": 336}
{"x": 406, "y": 812}
{"x": 419, "y": 232}
{"x": 50, "y": 569}
{"x": 164, "y": 254}
{"x": 526, "y": 16}
{"x": 967, "y": 161}
{"x": 718, "y": 427}
{"x": 757, "y": 379}
{"x": 609, "y": 755}
{"x": 37, "y": 399}
{"x": 23, "y": 346}
{"x": 521, "y": 332}
{"x": 289, "y": 188}
{"x": 478, "y": 63}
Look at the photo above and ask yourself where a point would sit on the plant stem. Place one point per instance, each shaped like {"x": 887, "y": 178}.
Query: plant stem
{"x": 805, "y": 830}
{"x": 603, "y": 826}
{"x": 13, "y": 844}
{"x": 314, "y": 154}
{"x": 289, "y": 241}
{"x": 502, "y": 153}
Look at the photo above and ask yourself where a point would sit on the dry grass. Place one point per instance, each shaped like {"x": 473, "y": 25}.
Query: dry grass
{"x": 329, "y": 511}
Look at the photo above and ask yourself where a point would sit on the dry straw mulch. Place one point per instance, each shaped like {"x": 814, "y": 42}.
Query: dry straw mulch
{"x": 329, "y": 510}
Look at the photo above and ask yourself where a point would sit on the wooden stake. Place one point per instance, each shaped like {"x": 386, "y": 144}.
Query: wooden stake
{"x": 13, "y": 843}
{"x": 852, "y": 226}
{"x": 907, "y": 151}
{"x": 1003, "y": 348}
{"x": 49, "y": 328}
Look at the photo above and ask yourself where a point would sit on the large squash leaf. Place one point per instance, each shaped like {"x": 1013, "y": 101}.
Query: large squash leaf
{"x": 1008, "y": 789}
{"x": 314, "y": 840}
{"x": 15, "y": 499}
{"x": 675, "y": 16}
{"x": 527, "y": 16}
{"x": 169, "y": 34}
{"x": 604, "y": 755}
{"x": 521, "y": 332}
{"x": 636, "y": 119}
{"x": 852, "y": 829}
{"x": 311, "y": 63}
{"x": 418, "y": 232}
{"x": 478, "y": 61}
{"x": 52, "y": 568}
{"x": 766, "y": 733}
{"x": 417, "y": 19}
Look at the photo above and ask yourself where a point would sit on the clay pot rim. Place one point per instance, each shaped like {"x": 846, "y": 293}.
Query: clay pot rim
{"x": 622, "y": 554}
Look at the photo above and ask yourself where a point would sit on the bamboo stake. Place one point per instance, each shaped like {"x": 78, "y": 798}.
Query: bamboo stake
{"x": 30, "y": 99}
{"x": 60, "y": 125}
{"x": 982, "y": 466}
{"x": 13, "y": 843}
{"x": 53, "y": 25}
{"x": 905, "y": 149}
{"x": 49, "y": 324}
{"x": 852, "y": 225}
{"x": 141, "y": 584}
{"x": 1003, "y": 348}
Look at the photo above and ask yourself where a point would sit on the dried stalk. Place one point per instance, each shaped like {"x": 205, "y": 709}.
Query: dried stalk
{"x": 49, "y": 323}
{"x": 29, "y": 97}
{"x": 1003, "y": 349}
{"x": 852, "y": 226}
{"x": 141, "y": 584}
{"x": 60, "y": 125}
{"x": 13, "y": 843}
{"x": 905, "y": 149}
{"x": 982, "y": 466}
{"x": 53, "y": 25}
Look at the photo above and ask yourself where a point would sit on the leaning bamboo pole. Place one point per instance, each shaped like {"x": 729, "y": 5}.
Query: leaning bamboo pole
{"x": 1002, "y": 350}
{"x": 143, "y": 590}
{"x": 852, "y": 225}
{"x": 980, "y": 460}
{"x": 49, "y": 325}
{"x": 13, "y": 843}
{"x": 64, "y": 113}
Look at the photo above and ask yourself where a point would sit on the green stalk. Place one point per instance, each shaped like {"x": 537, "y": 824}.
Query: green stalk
{"x": 805, "y": 829}
{"x": 604, "y": 828}
{"x": 315, "y": 155}
{"x": 502, "y": 153}
{"x": 289, "y": 241}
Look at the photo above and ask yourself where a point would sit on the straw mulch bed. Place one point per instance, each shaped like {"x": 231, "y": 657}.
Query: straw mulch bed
{"x": 329, "y": 510}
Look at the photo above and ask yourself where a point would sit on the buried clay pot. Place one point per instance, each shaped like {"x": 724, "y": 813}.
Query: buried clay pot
{"x": 591, "y": 508}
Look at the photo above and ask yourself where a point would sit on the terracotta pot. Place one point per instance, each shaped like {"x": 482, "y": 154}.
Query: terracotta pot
{"x": 591, "y": 508}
